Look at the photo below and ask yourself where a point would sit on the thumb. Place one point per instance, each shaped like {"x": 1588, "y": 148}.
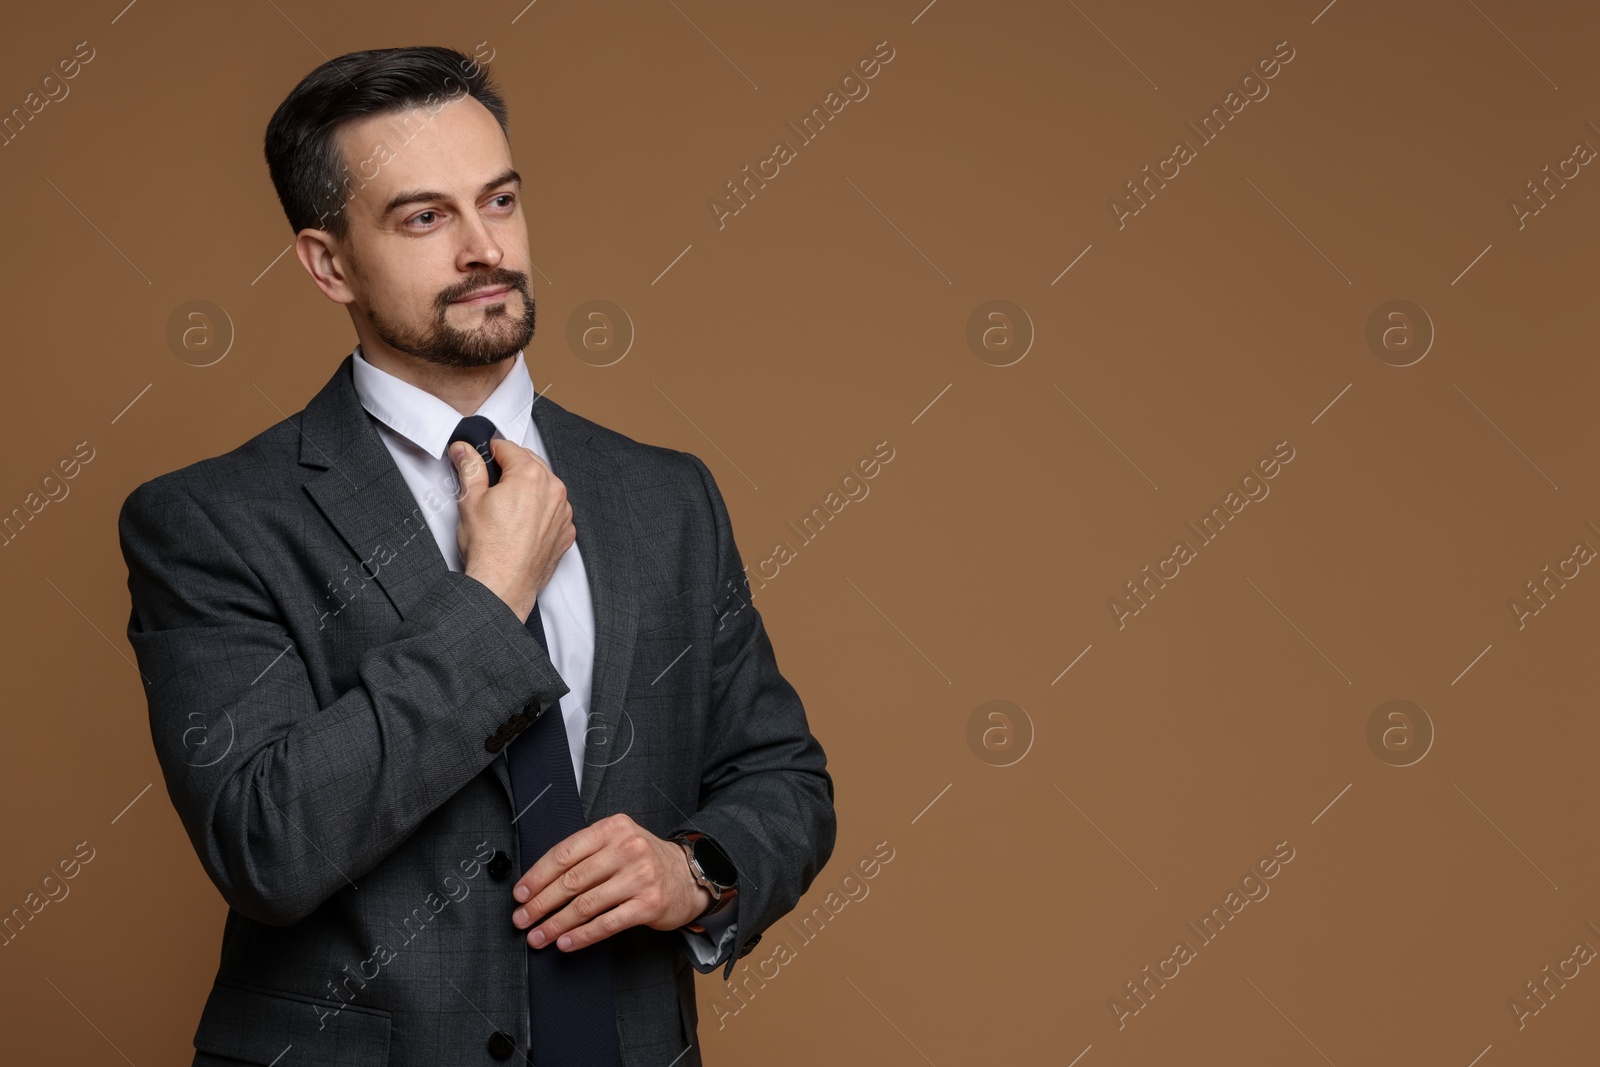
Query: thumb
{"x": 469, "y": 466}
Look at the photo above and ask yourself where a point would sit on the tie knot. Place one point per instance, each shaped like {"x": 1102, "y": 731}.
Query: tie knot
{"x": 476, "y": 430}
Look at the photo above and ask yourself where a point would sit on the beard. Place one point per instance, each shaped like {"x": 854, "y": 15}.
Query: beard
{"x": 497, "y": 333}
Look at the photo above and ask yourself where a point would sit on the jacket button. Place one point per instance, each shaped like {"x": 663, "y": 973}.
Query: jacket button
{"x": 495, "y": 743}
{"x": 501, "y": 1046}
{"x": 499, "y": 866}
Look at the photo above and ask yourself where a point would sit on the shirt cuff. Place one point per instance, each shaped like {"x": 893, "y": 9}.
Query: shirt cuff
{"x": 707, "y": 950}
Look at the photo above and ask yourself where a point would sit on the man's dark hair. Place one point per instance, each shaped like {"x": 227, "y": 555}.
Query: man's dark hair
{"x": 303, "y": 155}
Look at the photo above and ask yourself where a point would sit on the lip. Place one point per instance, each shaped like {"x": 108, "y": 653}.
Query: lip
{"x": 484, "y": 296}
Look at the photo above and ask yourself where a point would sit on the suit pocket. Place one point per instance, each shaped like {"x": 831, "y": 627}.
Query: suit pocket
{"x": 258, "y": 1025}
{"x": 661, "y": 614}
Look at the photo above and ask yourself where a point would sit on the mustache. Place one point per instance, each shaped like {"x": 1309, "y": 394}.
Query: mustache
{"x": 515, "y": 279}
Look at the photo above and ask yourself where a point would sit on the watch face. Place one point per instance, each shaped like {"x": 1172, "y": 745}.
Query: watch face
{"x": 718, "y": 867}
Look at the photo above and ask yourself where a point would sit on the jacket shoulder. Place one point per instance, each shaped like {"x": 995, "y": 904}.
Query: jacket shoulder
{"x": 264, "y": 469}
{"x": 646, "y": 465}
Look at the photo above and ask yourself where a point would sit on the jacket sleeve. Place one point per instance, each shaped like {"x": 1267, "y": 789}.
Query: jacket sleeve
{"x": 766, "y": 797}
{"x": 287, "y": 802}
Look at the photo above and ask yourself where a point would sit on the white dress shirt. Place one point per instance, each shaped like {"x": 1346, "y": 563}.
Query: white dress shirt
{"x": 416, "y": 426}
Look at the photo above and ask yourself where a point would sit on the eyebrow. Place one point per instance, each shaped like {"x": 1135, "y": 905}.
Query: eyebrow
{"x": 400, "y": 200}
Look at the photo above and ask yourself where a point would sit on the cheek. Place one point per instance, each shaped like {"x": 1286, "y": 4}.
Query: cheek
{"x": 398, "y": 286}
{"x": 402, "y": 295}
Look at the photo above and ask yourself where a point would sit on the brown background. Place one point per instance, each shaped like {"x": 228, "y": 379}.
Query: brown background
{"x": 828, "y": 316}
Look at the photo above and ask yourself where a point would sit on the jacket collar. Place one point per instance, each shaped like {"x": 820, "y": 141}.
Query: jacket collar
{"x": 354, "y": 481}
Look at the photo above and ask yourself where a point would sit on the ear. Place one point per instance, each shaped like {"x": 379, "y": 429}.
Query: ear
{"x": 323, "y": 258}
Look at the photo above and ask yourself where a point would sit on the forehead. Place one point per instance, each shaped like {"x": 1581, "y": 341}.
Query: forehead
{"x": 451, "y": 149}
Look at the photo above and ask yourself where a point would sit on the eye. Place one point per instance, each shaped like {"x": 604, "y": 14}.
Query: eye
{"x": 419, "y": 215}
{"x": 508, "y": 196}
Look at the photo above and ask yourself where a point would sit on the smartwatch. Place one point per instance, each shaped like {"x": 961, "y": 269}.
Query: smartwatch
{"x": 712, "y": 869}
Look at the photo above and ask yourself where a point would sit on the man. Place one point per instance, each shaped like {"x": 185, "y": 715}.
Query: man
{"x": 458, "y": 695}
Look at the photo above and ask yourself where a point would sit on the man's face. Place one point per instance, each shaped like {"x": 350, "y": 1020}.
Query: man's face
{"x": 433, "y": 219}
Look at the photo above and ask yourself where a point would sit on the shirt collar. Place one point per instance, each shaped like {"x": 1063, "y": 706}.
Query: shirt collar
{"x": 425, "y": 420}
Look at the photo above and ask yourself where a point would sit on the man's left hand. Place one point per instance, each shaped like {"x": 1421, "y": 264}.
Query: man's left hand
{"x": 610, "y": 876}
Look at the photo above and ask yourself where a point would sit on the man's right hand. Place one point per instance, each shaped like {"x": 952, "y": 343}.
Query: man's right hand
{"x": 511, "y": 534}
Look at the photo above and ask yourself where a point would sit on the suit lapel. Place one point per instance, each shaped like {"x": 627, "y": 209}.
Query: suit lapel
{"x": 608, "y": 544}
{"x": 363, "y": 495}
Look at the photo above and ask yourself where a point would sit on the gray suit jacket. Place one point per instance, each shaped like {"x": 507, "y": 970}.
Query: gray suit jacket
{"x": 330, "y": 705}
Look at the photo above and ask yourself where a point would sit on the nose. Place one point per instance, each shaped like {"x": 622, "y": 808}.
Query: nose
{"x": 479, "y": 247}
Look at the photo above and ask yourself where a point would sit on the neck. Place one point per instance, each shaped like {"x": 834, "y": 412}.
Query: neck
{"x": 463, "y": 388}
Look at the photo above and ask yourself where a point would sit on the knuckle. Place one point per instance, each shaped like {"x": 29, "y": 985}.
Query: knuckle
{"x": 569, "y": 882}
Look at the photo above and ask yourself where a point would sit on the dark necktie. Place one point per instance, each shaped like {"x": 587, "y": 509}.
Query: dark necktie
{"x": 570, "y": 1000}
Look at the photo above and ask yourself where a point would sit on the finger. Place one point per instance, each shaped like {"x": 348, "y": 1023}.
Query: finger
{"x": 511, "y": 455}
{"x": 637, "y": 875}
{"x": 562, "y": 855}
{"x": 585, "y": 875}
{"x": 581, "y": 909}
{"x": 629, "y": 912}
{"x": 470, "y": 468}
